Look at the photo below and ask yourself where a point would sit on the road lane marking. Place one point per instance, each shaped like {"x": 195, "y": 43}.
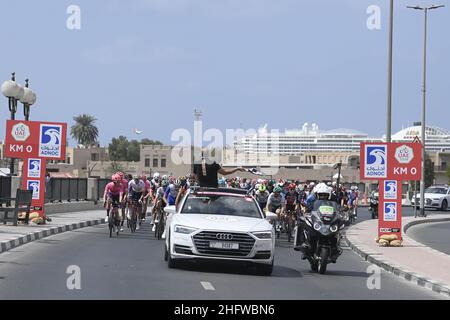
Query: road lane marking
{"x": 207, "y": 285}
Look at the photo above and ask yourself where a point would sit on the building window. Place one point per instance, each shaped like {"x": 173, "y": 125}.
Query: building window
{"x": 155, "y": 162}
{"x": 163, "y": 163}
{"x": 147, "y": 162}
{"x": 94, "y": 157}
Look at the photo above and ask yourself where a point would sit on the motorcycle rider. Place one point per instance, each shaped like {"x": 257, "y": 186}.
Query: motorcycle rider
{"x": 320, "y": 192}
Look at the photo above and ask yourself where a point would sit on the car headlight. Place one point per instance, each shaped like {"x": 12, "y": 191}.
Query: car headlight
{"x": 317, "y": 226}
{"x": 263, "y": 234}
{"x": 184, "y": 230}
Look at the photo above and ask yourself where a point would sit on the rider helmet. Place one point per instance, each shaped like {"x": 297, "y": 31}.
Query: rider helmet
{"x": 277, "y": 189}
{"x": 322, "y": 191}
{"x": 262, "y": 188}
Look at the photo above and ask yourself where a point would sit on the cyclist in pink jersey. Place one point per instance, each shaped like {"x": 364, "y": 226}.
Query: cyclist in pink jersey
{"x": 124, "y": 198}
{"x": 113, "y": 194}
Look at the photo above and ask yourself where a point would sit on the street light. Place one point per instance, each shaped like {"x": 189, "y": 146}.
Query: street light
{"x": 424, "y": 91}
{"x": 28, "y": 99}
{"x": 15, "y": 92}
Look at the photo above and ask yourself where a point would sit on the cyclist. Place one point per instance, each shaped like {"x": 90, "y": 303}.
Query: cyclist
{"x": 124, "y": 183}
{"x": 113, "y": 194}
{"x": 136, "y": 188}
{"x": 170, "y": 194}
{"x": 147, "y": 195}
{"x": 184, "y": 186}
{"x": 261, "y": 196}
{"x": 291, "y": 198}
{"x": 159, "y": 202}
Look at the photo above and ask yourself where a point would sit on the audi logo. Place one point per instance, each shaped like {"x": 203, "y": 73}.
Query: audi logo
{"x": 224, "y": 236}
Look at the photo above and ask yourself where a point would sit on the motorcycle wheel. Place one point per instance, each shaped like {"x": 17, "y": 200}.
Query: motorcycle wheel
{"x": 314, "y": 266}
{"x": 323, "y": 261}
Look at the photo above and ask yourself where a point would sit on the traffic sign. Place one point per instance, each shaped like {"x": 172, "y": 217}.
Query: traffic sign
{"x": 34, "y": 139}
{"x": 391, "y": 161}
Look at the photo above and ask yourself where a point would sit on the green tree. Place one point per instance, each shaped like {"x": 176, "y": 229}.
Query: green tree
{"x": 84, "y": 130}
{"x": 120, "y": 149}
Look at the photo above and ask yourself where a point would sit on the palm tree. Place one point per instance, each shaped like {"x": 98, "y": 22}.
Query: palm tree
{"x": 84, "y": 131}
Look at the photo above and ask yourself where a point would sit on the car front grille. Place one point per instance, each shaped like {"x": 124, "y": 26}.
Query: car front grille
{"x": 203, "y": 239}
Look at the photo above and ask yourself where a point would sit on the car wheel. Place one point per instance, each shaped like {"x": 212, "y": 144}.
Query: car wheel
{"x": 444, "y": 205}
{"x": 172, "y": 263}
{"x": 266, "y": 269}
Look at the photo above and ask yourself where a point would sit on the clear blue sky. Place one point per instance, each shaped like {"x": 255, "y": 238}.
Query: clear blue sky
{"x": 148, "y": 63}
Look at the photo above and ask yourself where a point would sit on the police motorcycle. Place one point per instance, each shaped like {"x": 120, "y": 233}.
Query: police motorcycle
{"x": 320, "y": 231}
{"x": 373, "y": 204}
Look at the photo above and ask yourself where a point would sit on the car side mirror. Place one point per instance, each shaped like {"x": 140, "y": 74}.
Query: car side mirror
{"x": 170, "y": 210}
{"x": 271, "y": 216}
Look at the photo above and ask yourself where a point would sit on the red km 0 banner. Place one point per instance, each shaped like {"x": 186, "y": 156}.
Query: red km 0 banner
{"x": 390, "y": 164}
{"x": 33, "y": 139}
{"x": 35, "y": 142}
{"x": 393, "y": 161}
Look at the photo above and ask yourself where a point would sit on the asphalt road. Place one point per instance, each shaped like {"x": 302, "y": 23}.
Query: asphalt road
{"x": 132, "y": 267}
{"x": 434, "y": 235}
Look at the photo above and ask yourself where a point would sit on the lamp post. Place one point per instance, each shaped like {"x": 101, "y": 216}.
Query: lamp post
{"x": 28, "y": 99}
{"x": 424, "y": 90}
{"x": 14, "y": 92}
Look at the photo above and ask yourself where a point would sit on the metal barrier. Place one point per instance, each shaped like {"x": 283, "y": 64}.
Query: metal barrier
{"x": 66, "y": 189}
{"x": 5, "y": 188}
{"x": 101, "y": 184}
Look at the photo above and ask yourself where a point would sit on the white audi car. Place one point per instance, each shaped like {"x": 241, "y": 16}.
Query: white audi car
{"x": 219, "y": 224}
{"x": 437, "y": 197}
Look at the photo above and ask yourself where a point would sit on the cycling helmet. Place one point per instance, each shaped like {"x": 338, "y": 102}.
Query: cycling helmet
{"x": 353, "y": 188}
{"x": 262, "y": 188}
{"x": 135, "y": 176}
{"x": 156, "y": 175}
{"x": 277, "y": 189}
{"x": 300, "y": 188}
{"x": 165, "y": 177}
{"x": 292, "y": 186}
{"x": 164, "y": 184}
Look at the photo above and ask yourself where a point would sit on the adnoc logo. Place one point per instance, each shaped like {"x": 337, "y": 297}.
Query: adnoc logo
{"x": 390, "y": 211}
{"x": 34, "y": 185}
{"x": 390, "y": 190}
{"x": 34, "y": 168}
{"x": 20, "y": 132}
{"x": 376, "y": 161}
{"x": 50, "y": 141}
{"x": 404, "y": 154}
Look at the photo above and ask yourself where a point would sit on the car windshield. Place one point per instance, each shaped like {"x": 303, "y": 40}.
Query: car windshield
{"x": 221, "y": 205}
{"x": 324, "y": 205}
{"x": 436, "y": 190}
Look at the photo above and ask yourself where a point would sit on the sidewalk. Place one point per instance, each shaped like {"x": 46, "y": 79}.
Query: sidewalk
{"x": 413, "y": 262}
{"x": 12, "y": 237}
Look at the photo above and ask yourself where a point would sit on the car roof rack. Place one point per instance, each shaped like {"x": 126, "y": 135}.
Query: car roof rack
{"x": 222, "y": 190}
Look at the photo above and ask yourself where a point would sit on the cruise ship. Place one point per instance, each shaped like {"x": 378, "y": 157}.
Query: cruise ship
{"x": 310, "y": 139}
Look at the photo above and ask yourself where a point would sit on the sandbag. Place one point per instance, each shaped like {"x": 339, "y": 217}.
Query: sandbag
{"x": 34, "y": 215}
{"x": 383, "y": 243}
{"x": 38, "y": 220}
{"x": 395, "y": 243}
{"x": 389, "y": 237}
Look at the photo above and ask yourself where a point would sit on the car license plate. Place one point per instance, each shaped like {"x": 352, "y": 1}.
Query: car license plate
{"x": 224, "y": 245}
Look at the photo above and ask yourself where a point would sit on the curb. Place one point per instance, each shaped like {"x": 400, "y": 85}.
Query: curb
{"x": 400, "y": 272}
{"x": 11, "y": 244}
{"x": 431, "y": 220}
